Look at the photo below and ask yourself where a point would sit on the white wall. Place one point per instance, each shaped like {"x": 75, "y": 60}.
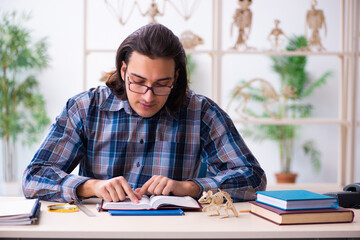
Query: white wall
{"x": 62, "y": 22}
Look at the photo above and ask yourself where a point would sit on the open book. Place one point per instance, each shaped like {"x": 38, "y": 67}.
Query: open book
{"x": 153, "y": 202}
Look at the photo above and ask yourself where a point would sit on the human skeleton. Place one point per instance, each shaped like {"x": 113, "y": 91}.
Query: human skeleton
{"x": 152, "y": 12}
{"x": 242, "y": 20}
{"x": 275, "y": 36}
{"x": 315, "y": 21}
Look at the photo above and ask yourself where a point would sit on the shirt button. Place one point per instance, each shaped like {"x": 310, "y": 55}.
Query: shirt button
{"x": 141, "y": 141}
{"x": 138, "y": 164}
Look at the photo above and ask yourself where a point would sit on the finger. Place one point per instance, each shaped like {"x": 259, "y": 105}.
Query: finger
{"x": 167, "y": 191}
{"x": 153, "y": 185}
{"x": 169, "y": 188}
{"x": 133, "y": 197}
{"x": 128, "y": 190}
{"x": 160, "y": 186}
{"x": 144, "y": 188}
{"x": 111, "y": 190}
{"x": 105, "y": 194}
{"x": 120, "y": 191}
{"x": 138, "y": 195}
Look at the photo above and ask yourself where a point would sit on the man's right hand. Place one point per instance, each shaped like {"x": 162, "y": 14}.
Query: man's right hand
{"x": 111, "y": 190}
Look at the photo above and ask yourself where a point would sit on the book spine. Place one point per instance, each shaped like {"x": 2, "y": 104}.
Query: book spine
{"x": 300, "y": 223}
{"x": 333, "y": 206}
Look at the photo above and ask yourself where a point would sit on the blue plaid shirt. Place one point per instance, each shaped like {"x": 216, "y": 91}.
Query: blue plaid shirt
{"x": 108, "y": 139}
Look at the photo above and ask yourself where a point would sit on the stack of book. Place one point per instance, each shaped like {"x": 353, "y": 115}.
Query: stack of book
{"x": 299, "y": 207}
{"x": 19, "y": 212}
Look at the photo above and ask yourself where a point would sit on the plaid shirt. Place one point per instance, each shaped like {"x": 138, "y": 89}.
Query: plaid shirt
{"x": 108, "y": 139}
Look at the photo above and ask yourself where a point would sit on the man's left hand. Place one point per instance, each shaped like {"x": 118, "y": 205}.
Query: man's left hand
{"x": 160, "y": 185}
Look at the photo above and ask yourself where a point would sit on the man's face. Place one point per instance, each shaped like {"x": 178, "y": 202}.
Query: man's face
{"x": 159, "y": 72}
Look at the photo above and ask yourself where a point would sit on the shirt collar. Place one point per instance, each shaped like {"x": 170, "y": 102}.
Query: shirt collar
{"x": 109, "y": 102}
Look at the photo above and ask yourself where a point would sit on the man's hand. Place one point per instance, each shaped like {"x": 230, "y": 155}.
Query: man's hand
{"x": 160, "y": 185}
{"x": 112, "y": 190}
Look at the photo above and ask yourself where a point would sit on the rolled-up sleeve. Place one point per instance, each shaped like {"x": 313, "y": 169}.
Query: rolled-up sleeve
{"x": 48, "y": 175}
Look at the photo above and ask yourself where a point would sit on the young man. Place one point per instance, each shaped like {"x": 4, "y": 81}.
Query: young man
{"x": 144, "y": 133}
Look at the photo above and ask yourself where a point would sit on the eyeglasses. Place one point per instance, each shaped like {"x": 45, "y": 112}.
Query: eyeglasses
{"x": 142, "y": 89}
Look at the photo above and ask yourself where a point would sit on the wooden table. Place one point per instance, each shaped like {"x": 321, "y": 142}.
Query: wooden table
{"x": 192, "y": 225}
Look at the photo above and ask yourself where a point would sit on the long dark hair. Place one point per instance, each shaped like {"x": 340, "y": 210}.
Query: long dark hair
{"x": 153, "y": 41}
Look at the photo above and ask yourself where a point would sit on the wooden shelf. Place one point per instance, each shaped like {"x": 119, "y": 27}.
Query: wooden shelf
{"x": 347, "y": 120}
{"x": 292, "y": 121}
{"x": 287, "y": 53}
{"x": 314, "y": 187}
{"x": 88, "y": 51}
{"x": 269, "y": 53}
{"x": 222, "y": 52}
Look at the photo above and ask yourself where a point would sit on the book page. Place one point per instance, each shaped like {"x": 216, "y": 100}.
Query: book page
{"x": 187, "y": 202}
{"x": 144, "y": 203}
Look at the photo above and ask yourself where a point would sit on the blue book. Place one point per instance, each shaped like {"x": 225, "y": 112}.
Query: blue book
{"x": 171, "y": 212}
{"x": 296, "y": 199}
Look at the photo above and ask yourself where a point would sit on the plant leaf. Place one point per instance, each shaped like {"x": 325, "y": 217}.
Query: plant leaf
{"x": 314, "y": 154}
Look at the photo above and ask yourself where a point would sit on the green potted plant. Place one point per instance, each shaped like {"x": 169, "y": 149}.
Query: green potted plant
{"x": 22, "y": 107}
{"x": 292, "y": 73}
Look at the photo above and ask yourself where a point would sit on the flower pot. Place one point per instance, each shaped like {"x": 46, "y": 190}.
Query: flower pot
{"x": 285, "y": 177}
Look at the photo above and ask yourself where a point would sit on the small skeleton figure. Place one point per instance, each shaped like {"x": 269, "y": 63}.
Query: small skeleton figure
{"x": 315, "y": 20}
{"x": 242, "y": 20}
{"x": 275, "y": 37}
{"x": 190, "y": 40}
{"x": 216, "y": 203}
{"x": 152, "y": 12}
{"x": 267, "y": 92}
{"x": 117, "y": 11}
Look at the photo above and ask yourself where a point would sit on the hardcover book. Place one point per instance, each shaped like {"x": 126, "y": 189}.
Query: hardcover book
{"x": 309, "y": 216}
{"x": 296, "y": 199}
{"x": 153, "y": 202}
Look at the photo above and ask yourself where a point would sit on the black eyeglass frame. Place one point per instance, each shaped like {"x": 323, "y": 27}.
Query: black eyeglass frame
{"x": 153, "y": 89}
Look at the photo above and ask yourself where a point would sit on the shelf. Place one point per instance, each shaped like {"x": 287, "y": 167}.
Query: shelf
{"x": 88, "y": 51}
{"x": 347, "y": 52}
{"x": 314, "y": 187}
{"x": 287, "y": 53}
{"x": 292, "y": 121}
{"x": 269, "y": 53}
